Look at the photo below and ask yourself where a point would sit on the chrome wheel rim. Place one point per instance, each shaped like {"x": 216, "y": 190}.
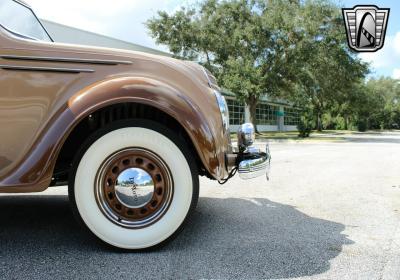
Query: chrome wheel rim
{"x": 133, "y": 188}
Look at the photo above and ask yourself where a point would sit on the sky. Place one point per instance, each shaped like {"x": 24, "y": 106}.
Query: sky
{"x": 124, "y": 19}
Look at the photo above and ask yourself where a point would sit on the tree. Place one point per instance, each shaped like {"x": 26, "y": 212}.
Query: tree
{"x": 328, "y": 70}
{"x": 291, "y": 49}
{"x": 380, "y": 99}
{"x": 233, "y": 40}
{"x": 329, "y": 83}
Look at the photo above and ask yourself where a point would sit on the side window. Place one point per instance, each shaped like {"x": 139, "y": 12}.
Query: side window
{"x": 20, "y": 20}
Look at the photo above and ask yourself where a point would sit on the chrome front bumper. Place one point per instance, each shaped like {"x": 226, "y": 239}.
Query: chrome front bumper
{"x": 254, "y": 163}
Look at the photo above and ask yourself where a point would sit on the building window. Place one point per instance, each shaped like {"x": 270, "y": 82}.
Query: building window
{"x": 266, "y": 114}
{"x": 236, "y": 112}
{"x": 292, "y": 116}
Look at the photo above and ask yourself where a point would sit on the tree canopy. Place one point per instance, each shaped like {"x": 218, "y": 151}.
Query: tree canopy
{"x": 289, "y": 49}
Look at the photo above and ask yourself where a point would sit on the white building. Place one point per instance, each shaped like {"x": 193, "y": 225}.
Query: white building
{"x": 271, "y": 116}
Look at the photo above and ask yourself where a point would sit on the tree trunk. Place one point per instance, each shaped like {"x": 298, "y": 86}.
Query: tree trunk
{"x": 252, "y": 102}
{"x": 319, "y": 121}
{"x": 346, "y": 122}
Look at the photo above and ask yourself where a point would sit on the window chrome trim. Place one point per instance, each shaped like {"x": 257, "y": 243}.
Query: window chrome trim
{"x": 46, "y": 69}
{"x": 66, "y": 60}
{"x": 25, "y": 36}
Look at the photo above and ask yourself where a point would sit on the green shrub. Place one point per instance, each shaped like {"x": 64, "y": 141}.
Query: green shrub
{"x": 304, "y": 128}
{"x": 362, "y": 125}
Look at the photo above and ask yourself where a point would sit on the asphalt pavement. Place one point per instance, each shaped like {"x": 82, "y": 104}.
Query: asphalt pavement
{"x": 330, "y": 211}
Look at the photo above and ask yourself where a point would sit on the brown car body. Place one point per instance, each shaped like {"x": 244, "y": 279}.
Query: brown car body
{"x": 47, "y": 90}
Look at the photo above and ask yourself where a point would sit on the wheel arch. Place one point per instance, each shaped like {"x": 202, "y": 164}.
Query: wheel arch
{"x": 154, "y": 100}
{"x": 104, "y": 116}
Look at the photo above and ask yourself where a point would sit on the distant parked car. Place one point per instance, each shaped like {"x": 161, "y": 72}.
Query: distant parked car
{"x": 129, "y": 132}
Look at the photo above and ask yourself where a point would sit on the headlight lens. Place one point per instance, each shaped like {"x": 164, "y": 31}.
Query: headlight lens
{"x": 223, "y": 108}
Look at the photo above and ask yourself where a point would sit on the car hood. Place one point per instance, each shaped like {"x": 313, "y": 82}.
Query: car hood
{"x": 188, "y": 67}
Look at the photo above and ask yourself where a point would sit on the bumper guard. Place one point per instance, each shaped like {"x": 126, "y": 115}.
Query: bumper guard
{"x": 251, "y": 162}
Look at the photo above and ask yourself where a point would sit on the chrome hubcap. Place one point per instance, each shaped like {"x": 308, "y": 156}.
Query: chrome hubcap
{"x": 134, "y": 188}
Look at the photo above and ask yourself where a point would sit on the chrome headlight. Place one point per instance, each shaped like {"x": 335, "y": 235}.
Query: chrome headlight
{"x": 223, "y": 108}
{"x": 246, "y": 136}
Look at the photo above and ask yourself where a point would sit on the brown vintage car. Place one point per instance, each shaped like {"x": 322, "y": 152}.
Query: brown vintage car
{"x": 129, "y": 132}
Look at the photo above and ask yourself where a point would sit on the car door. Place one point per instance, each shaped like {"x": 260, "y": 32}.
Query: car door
{"x": 27, "y": 91}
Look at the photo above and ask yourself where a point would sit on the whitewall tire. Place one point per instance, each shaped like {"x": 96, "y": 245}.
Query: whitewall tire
{"x": 134, "y": 184}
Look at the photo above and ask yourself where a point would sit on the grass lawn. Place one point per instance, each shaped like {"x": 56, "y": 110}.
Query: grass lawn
{"x": 333, "y": 135}
{"x": 275, "y": 135}
{"x": 325, "y": 135}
